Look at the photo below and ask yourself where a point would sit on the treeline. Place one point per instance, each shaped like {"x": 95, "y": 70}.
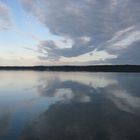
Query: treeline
{"x": 95, "y": 68}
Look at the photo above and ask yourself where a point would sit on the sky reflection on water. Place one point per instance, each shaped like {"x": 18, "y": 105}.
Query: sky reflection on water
{"x": 69, "y": 106}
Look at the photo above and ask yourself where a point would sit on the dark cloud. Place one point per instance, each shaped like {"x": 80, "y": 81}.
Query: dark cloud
{"x": 51, "y": 50}
{"x": 100, "y": 21}
{"x": 131, "y": 55}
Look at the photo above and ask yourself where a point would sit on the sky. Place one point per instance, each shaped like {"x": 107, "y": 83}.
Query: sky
{"x": 69, "y": 32}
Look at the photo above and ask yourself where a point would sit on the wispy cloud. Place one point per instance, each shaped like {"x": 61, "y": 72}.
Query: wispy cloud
{"x": 5, "y": 19}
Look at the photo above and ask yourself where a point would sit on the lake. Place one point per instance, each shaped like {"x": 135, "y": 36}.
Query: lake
{"x": 69, "y": 106}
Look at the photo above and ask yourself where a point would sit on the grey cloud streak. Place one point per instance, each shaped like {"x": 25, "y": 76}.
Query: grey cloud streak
{"x": 5, "y": 20}
{"x": 99, "y": 20}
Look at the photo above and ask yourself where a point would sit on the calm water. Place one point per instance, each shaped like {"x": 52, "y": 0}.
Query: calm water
{"x": 69, "y": 106}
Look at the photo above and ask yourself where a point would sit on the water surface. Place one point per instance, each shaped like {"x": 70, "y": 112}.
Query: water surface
{"x": 69, "y": 106}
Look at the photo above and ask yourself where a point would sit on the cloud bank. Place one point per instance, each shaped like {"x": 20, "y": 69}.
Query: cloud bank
{"x": 109, "y": 25}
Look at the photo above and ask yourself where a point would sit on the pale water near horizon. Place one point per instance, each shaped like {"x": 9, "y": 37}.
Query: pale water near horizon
{"x": 69, "y": 106}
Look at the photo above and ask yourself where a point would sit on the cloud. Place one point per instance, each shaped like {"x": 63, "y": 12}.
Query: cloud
{"x": 99, "y": 21}
{"x": 131, "y": 55}
{"x": 51, "y": 50}
{"x": 5, "y": 20}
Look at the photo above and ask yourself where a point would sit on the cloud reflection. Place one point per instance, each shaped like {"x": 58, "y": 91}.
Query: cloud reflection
{"x": 85, "y": 112}
{"x": 84, "y": 88}
{"x": 66, "y": 105}
{"x": 4, "y": 122}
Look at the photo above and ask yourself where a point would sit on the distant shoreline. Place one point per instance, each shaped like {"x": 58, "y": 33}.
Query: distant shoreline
{"x": 90, "y": 68}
